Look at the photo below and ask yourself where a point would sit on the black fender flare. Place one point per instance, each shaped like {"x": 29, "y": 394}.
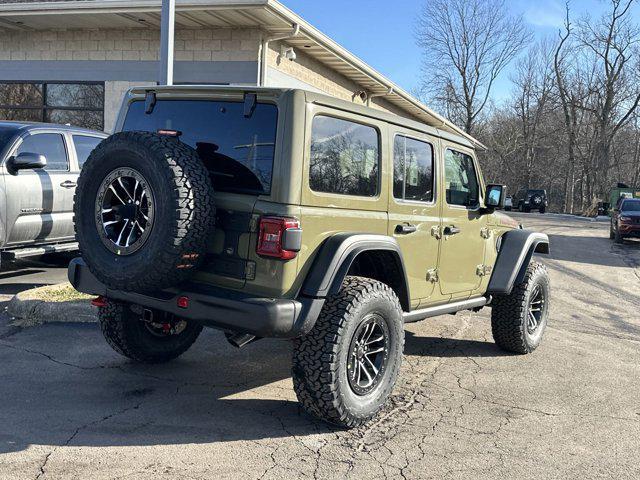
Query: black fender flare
{"x": 516, "y": 249}
{"x": 335, "y": 257}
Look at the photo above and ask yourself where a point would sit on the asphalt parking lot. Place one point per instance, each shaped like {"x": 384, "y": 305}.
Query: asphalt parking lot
{"x": 33, "y": 272}
{"x": 72, "y": 408}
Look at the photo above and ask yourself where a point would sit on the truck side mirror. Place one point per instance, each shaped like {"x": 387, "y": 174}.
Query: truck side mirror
{"x": 495, "y": 196}
{"x": 28, "y": 161}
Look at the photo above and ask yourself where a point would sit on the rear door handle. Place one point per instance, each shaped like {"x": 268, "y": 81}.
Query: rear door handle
{"x": 68, "y": 184}
{"x": 405, "y": 228}
{"x": 451, "y": 230}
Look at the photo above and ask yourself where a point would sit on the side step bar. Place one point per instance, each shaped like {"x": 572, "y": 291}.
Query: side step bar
{"x": 18, "y": 253}
{"x": 471, "y": 303}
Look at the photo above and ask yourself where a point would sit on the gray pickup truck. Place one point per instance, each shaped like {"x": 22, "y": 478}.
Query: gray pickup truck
{"x": 39, "y": 168}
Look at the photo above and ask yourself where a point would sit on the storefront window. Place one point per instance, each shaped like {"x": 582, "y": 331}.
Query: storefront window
{"x": 79, "y": 104}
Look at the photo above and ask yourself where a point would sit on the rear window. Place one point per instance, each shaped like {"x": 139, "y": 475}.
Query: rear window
{"x": 237, "y": 151}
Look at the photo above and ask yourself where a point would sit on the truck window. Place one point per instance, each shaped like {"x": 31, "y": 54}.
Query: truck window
{"x": 51, "y": 145}
{"x": 461, "y": 179}
{"x": 237, "y": 151}
{"x": 6, "y": 135}
{"x": 412, "y": 169}
{"x": 84, "y": 145}
{"x": 344, "y": 157}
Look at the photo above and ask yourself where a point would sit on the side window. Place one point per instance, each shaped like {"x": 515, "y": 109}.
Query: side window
{"x": 84, "y": 145}
{"x": 461, "y": 179}
{"x": 345, "y": 157}
{"x": 412, "y": 169}
{"x": 51, "y": 145}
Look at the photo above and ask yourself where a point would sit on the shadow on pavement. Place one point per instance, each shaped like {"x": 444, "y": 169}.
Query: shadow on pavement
{"x": 62, "y": 385}
{"x": 590, "y": 250}
{"x": 449, "y": 347}
{"x": 13, "y": 288}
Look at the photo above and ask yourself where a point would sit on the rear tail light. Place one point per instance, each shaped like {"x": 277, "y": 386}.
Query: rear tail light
{"x": 279, "y": 237}
{"x": 183, "y": 302}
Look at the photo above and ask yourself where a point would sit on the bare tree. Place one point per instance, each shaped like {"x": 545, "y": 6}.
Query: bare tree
{"x": 466, "y": 44}
{"x": 613, "y": 41}
{"x": 533, "y": 84}
{"x": 569, "y": 104}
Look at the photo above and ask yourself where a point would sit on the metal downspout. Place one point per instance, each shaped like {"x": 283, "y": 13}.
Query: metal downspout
{"x": 264, "y": 50}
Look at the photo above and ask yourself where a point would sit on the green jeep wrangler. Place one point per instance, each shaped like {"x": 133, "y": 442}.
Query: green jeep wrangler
{"x": 284, "y": 213}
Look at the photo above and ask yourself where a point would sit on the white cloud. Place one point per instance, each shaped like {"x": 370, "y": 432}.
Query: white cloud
{"x": 546, "y": 13}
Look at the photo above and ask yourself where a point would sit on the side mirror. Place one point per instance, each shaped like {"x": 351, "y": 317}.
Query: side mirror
{"x": 495, "y": 196}
{"x": 28, "y": 161}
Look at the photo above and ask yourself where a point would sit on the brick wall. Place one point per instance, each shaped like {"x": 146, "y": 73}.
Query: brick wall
{"x": 322, "y": 77}
{"x": 197, "y": 45}
{"x": 133, "y": 44}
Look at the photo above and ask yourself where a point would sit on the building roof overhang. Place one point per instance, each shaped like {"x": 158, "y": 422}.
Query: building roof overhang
{"x": 269, "y": 15}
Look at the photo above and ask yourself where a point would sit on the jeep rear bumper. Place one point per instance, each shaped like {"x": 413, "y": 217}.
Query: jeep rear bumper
{"x": 212, "y": 306}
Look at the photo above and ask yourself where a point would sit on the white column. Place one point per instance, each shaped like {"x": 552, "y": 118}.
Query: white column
{"x": 166, "y": 41}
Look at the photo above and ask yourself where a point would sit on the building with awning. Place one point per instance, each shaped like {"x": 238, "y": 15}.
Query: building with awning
{"x": 71, "y": 61}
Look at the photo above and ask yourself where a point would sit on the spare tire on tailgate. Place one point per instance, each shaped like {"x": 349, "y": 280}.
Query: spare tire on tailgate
{"x": 143, "y": 211}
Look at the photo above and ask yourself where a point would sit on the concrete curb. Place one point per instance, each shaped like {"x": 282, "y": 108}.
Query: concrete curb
{"x": 36, "y": 312}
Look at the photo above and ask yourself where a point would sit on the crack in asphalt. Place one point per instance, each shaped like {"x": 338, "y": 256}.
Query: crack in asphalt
{"x": 437, "y": 400}
{"x": 180, "y": 383}
{"x": 78, "y": 430}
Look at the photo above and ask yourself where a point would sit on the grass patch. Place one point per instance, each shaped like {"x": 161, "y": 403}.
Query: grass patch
{"x": 63, "y": 292}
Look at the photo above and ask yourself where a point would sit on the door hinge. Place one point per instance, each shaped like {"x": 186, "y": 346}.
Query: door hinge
{"x": 482, "y": 270}
{"x": 432, "y": 275}
{"x": 436, "y": 232}
{"x": 485, "y": 233}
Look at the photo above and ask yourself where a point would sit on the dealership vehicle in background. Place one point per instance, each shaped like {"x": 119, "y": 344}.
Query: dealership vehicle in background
{"x": 625, "y": 219}
{"x": 621, "y": 190}
{"x": 40, "y": 164}
{"x": 508, "y": 203}
{"x": 532, "y": 199}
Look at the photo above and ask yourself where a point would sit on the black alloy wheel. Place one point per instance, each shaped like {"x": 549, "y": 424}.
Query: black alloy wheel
{"x": 368, "y": 354}
{"x": 124, "y": 211}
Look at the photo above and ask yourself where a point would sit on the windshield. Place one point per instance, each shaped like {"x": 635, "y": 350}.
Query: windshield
{"x": 630, "y": 206}
{"x": 6, "y": 134}
{"x": 238, "y": 151}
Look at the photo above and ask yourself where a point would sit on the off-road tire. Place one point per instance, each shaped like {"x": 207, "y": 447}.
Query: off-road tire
{"x": 127, "y": 334}
{"x": 184, "y": 212}
{"x": 612, "y": 235}
{"x": 542, "y": 209}
{"x": 509, "y": 313}
{"x": 320, "y": 358}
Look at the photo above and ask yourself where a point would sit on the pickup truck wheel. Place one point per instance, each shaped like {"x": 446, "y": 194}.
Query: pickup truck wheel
{"x": 518, "y": 320}
{"x": 345, "y": 368}
{"x": 143, "y": 211}
{"x": 156, "y": 340}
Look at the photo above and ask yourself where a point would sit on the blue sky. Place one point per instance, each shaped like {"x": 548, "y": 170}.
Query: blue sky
{"x": 381, "y": 31}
